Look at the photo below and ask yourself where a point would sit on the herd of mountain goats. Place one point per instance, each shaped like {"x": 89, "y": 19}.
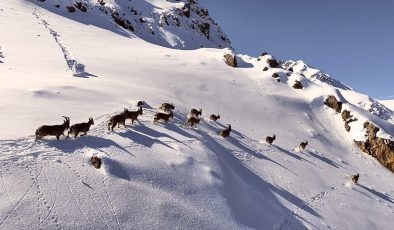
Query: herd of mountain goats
{"x": 164, "y": 113}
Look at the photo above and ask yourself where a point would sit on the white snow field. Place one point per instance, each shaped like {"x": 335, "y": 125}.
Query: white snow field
{"x": 170, "y": 176}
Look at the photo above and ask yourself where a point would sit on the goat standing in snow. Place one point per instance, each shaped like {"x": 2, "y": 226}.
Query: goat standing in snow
{"x": 81, "y": 127}
{"x": 53, "y": 130}
{"x": 269, "y": 139}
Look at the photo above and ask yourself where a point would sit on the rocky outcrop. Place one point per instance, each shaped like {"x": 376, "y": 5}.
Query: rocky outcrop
{"x": 273, "y": 63}
{"x": 333, "y": 103}
{"x": 348, "y": 118}
{"x": 298, "y": 85}
{"x": 381, "y": 149}
{"x": 276, "y": 77}
{"x": 230, "y": 59}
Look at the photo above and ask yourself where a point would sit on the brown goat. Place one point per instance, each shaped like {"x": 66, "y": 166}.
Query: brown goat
{"x": 195, "y": 112}
{"x": 167, "y": 107}
{"x": 225, "y": 132}
{"x": 163, "y": 116}
{"x": 303, "y": 145}
{"x": 117, "y": 120}
{"x": 214, "y": 117}
{"x": 81, "y": 127}
{"x": 269, "y": 139}
{"x": 192, "y": 121}
{"x": 133, "y": 115}
{"x": 53, "y": 130}
{"x": 355, "y": 178}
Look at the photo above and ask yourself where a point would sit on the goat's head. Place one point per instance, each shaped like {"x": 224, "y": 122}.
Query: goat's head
{"x": 66, "y": 122}
{"x": 91, "y": 122}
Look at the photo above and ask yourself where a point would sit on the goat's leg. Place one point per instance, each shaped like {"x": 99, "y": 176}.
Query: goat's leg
{"x": 57, "y": 137}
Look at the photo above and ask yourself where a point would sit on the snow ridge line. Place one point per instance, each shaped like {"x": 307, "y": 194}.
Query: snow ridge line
{"x": 77, "y": 68}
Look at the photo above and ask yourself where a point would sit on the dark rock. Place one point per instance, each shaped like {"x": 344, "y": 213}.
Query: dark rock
{"x": 96, "y": 162}
{"x": 70, "y": 9}
{"x": 333, "y": 103}
{"x": 346, "y": 115}
{"x": 230, "y": 60}
{"x": 122, "y": 22}
{"x": 265, "y": 69}
{"x": 298, "y": 85}
{"x": 273, "y": 63}
{"x": 204, "y": 28}
{"x": 81, "y": 6}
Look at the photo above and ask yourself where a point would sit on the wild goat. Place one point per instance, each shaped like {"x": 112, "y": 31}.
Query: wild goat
{"x": 117, "y": 120}
{"x": 355, "y": 178}
{"x": 53, "y": 130}
{"x": 133, "y": 115}
{"x": 167, "y": 107}
{"x": 195, "y": 112}
{"x": 225, "y": 132}
{"x": 269, "y": 139}
{"x": 303, "y": 145}
{"x": 192, "y": 121}
{"x": 214, "y": 117}
{"x": 163, "y": 116}
{"x": 81, "y": 127}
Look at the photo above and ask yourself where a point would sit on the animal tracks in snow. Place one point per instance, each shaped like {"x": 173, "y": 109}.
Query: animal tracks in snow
{"x": 77, "y": 68}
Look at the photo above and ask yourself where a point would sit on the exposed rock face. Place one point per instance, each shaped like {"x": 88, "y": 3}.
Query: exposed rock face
{"x": 381, "y": 149}
{"x": 230, "y": 60}
{"x": 333, "y": 103}
{"x": 298, "y": 85}
{"x": 265, "y": 69}
{"x": 348, "y": 118}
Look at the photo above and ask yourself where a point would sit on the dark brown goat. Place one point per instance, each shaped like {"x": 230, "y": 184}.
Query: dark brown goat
{"x": 117, "y": 119}
{"x": 53, "y": 130}
{"x": 355, "y": 178}
{"x": 133, "y": 115}
{"x": 195, "y": 112}
{"x": 163, "y": 116}
{"x": 81, "y": 127}
{"x": 167, "y": 107}
{"x": 225, "y": 132}
{"x": 214, "y": 117}
{"x": 269, "y": 139}
{"x": 192, "y": 121}
{"x": 303, "y": 145}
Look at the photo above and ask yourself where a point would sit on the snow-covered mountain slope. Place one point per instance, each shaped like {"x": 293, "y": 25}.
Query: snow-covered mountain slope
{"x": 388, "y": 104}
{"x": 313, "y": 74}
{"x": 166, "y": 176}
{"x": 177, "y": 24}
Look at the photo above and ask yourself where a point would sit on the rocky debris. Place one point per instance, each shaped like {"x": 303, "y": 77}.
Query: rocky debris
{"x": 204, "y": 28}
{"x": 81, "y": 6}
{"x": 381, "y": 149}
{"x": 70, "y": 9}
{"x": 230, "y": 59}
{"x": 298, "y": 85}
{"x": 348, "y": 118}
{"x": 122, "y": 22}
{"x": 333, "y": 103}
{"x": 96, "y": 162}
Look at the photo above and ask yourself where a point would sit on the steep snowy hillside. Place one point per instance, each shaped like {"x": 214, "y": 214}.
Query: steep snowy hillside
{"x": 177, "y": 24}
{"x": 172, "y": 176}
{"x": 313, "y": 74}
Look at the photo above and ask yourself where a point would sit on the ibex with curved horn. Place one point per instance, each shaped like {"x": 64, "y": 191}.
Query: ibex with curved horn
{"x": 53, "y": 130}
